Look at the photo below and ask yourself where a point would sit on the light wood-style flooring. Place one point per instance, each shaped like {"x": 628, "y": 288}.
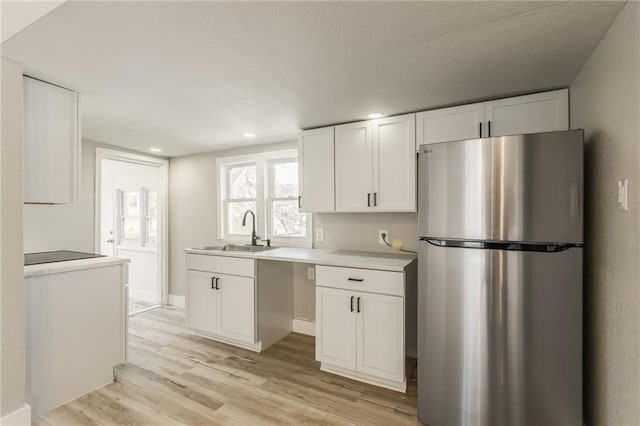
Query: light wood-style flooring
{"x": 174, "y": 378}
{"x": 137, "y": 305}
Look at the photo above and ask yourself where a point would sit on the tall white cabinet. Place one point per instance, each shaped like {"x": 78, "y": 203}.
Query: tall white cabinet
{"x": 375, "y": 165}
{"x": 51, "y": 143}
{"x": 539, "y": 112}
{"x": 316, "y": 171}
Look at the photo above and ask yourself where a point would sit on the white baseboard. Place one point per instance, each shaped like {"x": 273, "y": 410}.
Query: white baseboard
{"x": 21, "y": 417}
{"x": 304, "y": 327}
{"x": 142, "y": 295}
{"x": 177, "y": 301}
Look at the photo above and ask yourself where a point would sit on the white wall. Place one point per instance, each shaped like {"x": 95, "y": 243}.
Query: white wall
{"x": 605, "y": 101}
{"x": 12, "y": 369}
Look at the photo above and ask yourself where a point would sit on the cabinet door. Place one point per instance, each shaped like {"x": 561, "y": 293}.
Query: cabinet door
{"x": 540, "y": 112}
{"x": 450, "y": 124}
{"x": 236, "y": 307}
{"x": 336, "y": 327}
{"x": 380, "y": 333}
{"x": 51, "y": 147}
{"x": 354, "y": 172}
{"x": 394, "y": 164}
{"x": 316, "y": 171}
{"x": 201, "y": 301}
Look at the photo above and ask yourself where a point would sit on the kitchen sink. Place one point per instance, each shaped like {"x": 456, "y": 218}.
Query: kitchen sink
{"x": 235, "y": 247}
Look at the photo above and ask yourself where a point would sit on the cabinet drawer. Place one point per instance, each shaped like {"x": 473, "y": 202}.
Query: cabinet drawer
{"x": 383, "y": 282}
{"x": 221, "y": 264}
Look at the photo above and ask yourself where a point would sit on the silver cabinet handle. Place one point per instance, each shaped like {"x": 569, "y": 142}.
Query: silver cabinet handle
{"x": 351, "y": 304}
{"x": 358, "y": 304}
{"x": 369, "y": 200}
{"x": 217, "y": 279}
{"x": 375, "y": 199}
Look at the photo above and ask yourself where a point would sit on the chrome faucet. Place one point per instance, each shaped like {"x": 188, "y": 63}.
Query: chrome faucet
{"x": 254, "y": 237}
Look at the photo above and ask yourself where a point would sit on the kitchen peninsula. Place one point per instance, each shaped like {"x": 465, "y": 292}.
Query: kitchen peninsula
{"x": 76, "y": 328}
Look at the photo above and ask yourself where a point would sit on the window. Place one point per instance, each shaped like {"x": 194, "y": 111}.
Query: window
{"x": 266, "y": 184}
{"x": 138, "y": 217}
{"x": 284, "y": 218}
{"x": 241, "y": 187}
{"x": 151, "y": 218}
{"x": 130, "y": 216}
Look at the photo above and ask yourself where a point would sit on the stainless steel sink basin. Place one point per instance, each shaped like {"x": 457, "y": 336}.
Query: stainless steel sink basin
{"x": 234, "y": 247}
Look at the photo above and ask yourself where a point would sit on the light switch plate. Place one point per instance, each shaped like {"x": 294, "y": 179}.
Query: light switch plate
{"x": 623, "y": 194}
{"x": 311, "y": 273}
{"x": 319, "y": 235}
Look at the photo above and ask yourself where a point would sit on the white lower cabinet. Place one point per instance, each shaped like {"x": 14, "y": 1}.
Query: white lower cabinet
{"x": 380, "y": 329}
{"x": 202, "y": 301}
{"x": 222, "y": 304}
{"x": 228, "y": 300}
{"x": 360, "y": 334}
{"x": 336, "y": 337}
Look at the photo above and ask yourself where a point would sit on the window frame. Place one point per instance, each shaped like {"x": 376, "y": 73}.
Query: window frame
{"x": 264, "y": 178}
{"x": 227, "y": 200}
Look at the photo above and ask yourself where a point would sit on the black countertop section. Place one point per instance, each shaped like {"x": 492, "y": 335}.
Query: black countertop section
{"x": 57, "y": 256}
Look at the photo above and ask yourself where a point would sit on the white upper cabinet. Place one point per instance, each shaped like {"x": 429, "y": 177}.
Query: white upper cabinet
{"x": 540, "y": 112}
{"x": 51, "y": 143}
{"x": 376, "y": 165}
{"x": 450, "y": 124}
{"x": 316, "y": 171}
{"x": 394, "y": 164}
{"x": 354, "y": 167}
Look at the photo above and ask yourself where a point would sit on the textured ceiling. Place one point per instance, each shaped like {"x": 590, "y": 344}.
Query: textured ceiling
{"x": 194, "y": 76}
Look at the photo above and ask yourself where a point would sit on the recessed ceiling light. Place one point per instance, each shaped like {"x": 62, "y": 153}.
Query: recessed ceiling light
{"x": 375, "y": 115}
{"x": 155, "y": 150}
{"x": 249, "y": 135}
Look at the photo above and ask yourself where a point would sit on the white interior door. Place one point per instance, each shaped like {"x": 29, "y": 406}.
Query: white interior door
{"x": 129, "y": 224}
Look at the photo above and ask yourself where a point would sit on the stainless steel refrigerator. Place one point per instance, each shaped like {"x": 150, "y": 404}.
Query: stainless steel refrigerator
{"x": 500, "y": 281}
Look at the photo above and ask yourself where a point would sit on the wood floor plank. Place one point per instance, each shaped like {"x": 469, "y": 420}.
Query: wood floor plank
{"x": 176, "y": 378}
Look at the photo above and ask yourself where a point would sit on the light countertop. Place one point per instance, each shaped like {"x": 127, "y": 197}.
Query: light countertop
{"x": 71, "y": 265}
{"x": 344, "y": 258}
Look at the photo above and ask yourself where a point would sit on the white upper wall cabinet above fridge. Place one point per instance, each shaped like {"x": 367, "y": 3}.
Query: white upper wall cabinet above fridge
{"x": 376, "y": 165}
{"x": 316, "y": 171}
{"x": 51, "y": 143}
{"x": 539, "y": 112}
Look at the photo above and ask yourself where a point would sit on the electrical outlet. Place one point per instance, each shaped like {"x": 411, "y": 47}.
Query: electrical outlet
{"x": 311, "y": 273}
{"x": 319, "y": 235}
{"x": 380, "y": 239}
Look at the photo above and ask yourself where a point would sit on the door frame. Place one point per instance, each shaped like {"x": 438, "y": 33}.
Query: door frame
{"x": 163, "y": 243}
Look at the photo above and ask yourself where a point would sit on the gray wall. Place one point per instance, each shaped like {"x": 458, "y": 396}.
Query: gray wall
{"x": 12, "y": 369}
{"x": 605, "y": 102}
{"x": 65, "y": 226}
